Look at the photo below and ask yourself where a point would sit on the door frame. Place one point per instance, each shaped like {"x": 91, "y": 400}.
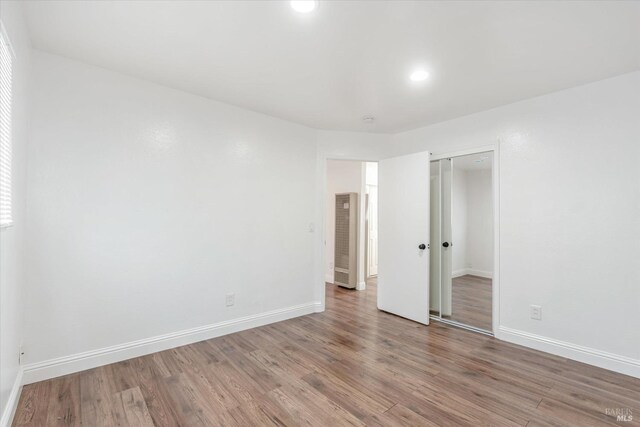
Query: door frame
{"x": 321, "y": 222}
{"x": 495, "y": 176}
{"x": 367, "y": 245}
{"x": 366, "y": 234}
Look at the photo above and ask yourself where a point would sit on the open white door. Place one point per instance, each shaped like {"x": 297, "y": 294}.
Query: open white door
{"x": 403, "y": 226}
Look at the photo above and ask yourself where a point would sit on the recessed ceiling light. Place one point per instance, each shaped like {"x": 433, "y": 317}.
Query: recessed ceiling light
{"x": 419, "y": 75}
{"x": 305, "y": 6}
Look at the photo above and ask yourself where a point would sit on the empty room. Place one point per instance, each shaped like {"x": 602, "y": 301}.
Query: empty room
{"x": 319, "y": 213}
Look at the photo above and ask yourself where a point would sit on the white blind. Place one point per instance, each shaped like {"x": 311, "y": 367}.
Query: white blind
{"x": 6, "y": 60}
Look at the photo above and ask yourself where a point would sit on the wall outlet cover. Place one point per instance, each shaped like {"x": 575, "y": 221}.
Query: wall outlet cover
{"x": 230, "y": 300}
{"x": 536, "y": 312}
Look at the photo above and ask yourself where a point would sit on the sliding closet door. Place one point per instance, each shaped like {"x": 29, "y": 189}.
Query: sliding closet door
{"x": 461, "y": 286}
{"x": 446, "y": 246}
{"x": 403, "y": 236}
{"x": 435, "y": 234}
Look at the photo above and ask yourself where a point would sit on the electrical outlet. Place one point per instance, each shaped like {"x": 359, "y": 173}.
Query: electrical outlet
{"x": 536, "y": 312}
{"x": 230, "y": 299}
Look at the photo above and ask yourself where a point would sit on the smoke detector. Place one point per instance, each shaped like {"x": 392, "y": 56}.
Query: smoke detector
{"x": 368, "y": 119}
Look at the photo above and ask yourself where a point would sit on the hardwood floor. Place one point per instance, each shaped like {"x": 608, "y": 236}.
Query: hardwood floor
{"x": 351, "y": 365}
{"x": 471, "y": 301}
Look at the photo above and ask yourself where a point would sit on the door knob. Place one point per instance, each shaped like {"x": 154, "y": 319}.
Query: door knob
{"x": 422, "y": 246}
{"x": 445, "y": 244}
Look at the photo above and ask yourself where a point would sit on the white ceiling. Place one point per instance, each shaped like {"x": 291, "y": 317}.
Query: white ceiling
{"x": 348, "y": 59}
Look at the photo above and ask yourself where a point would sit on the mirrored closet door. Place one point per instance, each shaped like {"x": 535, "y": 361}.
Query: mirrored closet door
{"x": 461, "y": 256}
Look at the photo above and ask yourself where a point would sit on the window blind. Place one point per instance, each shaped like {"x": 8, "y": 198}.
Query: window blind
{"x": 6, "y": 62}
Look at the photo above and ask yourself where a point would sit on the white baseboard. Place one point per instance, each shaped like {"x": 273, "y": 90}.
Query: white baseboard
{"x": 613, "y": 362}
{"x": 361, "y": 286}
{"x": 458, "y": 273}
{"x": 473, "y": 272}
{"x": 480, "y": 273}
{"x": 328, "y": 278}
{"x": 12, "y": 403}
{"x": 52, "y": 368}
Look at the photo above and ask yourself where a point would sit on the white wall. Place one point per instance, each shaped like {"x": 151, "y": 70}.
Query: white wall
{"x": 343, "y": 176}
{"x": 354, "y": 145}
{"x": 479, "y": 226}
{"x": 569, "y": 215}
{"x": 147, "y": 205}
{"x": 117, "y": 251}
{"x": 12, "y": 238}
{"x": 459, "y": 221}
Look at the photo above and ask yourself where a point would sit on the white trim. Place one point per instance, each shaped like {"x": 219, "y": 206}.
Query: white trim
{"x": 613, "y": 362}
{"x": 12, "y": 402}
{"x": 361, "y": 286}
{"x": 439, "y": 239}
{"x": 328, "y": 278}
{"x": 460, "y": 325}
{"x": 362, "y": 223}
{"x": 495, "y": 279}
{"x": 52, "y": 368}
{"x": 465, "y": 152}
{"x": 480, "y": 273}
{"x": 458, "y": 273}
{"x": 473, "y": 272}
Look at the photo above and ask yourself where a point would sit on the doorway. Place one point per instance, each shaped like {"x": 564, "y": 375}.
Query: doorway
{"x": 462, "y": 240}
{"x": 351, "y": 226}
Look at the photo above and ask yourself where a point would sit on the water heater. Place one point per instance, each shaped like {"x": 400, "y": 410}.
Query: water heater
{"x": 346, "y": 240}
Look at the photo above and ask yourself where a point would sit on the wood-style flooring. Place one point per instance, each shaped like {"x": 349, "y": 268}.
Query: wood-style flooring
{"x": 351, "y": 365}
{"x": 471, "y": 301}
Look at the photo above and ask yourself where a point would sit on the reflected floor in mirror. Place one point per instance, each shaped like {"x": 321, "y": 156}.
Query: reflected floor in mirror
{"x": 471, "y": 301}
